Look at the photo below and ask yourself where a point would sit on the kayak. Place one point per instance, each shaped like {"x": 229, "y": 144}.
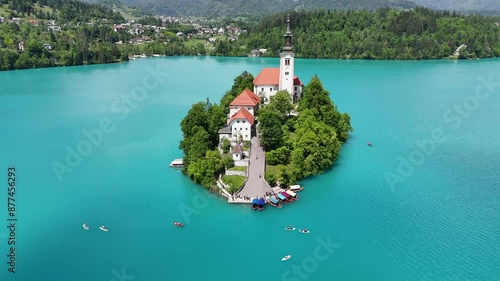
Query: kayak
{"x": 85, "y": 226}
{"x": 304, "y": 231}
{"x": 285, "y": 258}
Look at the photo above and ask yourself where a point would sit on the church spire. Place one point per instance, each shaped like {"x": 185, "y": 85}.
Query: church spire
{"x": 288, "y": 37}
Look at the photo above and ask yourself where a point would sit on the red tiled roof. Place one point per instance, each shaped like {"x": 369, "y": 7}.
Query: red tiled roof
{"x": 296, "y": 81}
{"x": 237, "y": 149}
{"x": 243, "y": 113}
{"x": 268, "y": 76}
{"x": 246, "y": 97}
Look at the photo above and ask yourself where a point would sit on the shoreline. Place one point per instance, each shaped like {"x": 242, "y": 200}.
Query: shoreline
{"x": 143, "y": 56}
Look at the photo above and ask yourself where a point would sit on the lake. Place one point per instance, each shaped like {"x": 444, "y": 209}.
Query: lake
{"x": 93, "y": 144}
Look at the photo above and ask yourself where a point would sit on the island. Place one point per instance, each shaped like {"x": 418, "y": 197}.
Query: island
{"x": 265, "y": 135}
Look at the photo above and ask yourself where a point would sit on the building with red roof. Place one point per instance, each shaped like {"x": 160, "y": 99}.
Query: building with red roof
{"x": 247, "y": 99}
{"x": 271, "y": 80}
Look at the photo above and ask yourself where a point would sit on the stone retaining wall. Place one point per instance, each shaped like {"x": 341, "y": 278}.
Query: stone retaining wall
{"x": 236, "y": 173}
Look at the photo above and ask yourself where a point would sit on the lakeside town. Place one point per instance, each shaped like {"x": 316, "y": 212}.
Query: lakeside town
{"x": 196, "y": 29}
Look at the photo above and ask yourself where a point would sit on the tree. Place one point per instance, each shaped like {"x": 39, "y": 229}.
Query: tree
{"x": 281, "y": 102}
{"x": 270, "y": 178}
{"x": 317, "y": 99}
{"x": 271, "y": 133}
{"x": 226, "y": 145}
{"x": 241, "y": 82}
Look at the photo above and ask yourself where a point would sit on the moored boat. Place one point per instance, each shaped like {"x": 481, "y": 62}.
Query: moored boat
{"x": 295, "y": 188}
{"x": 293, "y": 194}
{"x": 274, "y": 202}
{"x": 255, "y": 203}
{"x": 177, "y": 163}
{"x": 261, "y": 204}
{"x": 282, "y": 198}
{"x": 287, "y": 196}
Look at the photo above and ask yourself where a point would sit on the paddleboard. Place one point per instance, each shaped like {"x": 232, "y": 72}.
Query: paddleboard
{"x": 103, "y": 229}
{"x": 304, "y": 231}
{"x": 285, "y": 258}
{"x": 288, "y": 228}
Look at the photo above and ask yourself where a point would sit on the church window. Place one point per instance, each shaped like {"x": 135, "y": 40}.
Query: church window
{"x": 287, "y": 61}
{"x": 286, "y": 73}
{"x": 271, "y": 89}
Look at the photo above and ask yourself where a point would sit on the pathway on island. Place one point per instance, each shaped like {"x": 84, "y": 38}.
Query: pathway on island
{"x": 256, "y": 185}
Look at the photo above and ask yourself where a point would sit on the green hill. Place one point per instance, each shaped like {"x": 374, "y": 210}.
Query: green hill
{"x": 212, "y": 8}
{"x": 461, "y": 5}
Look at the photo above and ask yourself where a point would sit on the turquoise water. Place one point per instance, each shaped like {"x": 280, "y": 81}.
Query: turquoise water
{"x": 435, "y": 219}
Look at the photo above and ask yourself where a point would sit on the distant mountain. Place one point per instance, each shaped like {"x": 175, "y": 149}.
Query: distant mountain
{"x": 255, "y": 7}
{"x": 461, "y": 5}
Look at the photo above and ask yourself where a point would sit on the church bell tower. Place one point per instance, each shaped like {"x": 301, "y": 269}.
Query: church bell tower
{"x": 287, "y": 64}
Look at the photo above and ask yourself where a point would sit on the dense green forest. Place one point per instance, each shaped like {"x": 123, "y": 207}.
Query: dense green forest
{"x": 384, "y": 34}
{"x": 296, "y": 147}
{"x": 461, "y": 5}
{"x": 304, "y": 145}
{"x": 232, "y": 8}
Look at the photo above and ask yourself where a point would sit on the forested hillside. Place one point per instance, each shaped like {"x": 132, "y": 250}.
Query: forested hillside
{"x": 384, "y": 34}
{"x": 461, "y": 5}
{"x": 56, "y": 32}
{"x": 212, "y": 8}
{"x": 68, "y": 11}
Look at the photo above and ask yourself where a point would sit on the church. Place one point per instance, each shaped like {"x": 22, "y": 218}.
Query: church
{"x": 271, "y": 80}
{"x": 242, "y": 110}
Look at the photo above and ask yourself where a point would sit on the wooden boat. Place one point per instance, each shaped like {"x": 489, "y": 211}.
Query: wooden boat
{"x": 274, "y": 202}
{"x": 177, "y": 163}
{"x": 288, "y": 197}
{"x": 282, "y": 198}
{"x": 294, "y": 195}
{"x": 255, "y": 203}
{"x": 295, "y": 188}
{"x": 261, "y": 203}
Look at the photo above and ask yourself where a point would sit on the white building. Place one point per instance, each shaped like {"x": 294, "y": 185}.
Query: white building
{"x": 240, "y": 125}
{"x": 271, "y": 80}
{"x": 247, "y": 99}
